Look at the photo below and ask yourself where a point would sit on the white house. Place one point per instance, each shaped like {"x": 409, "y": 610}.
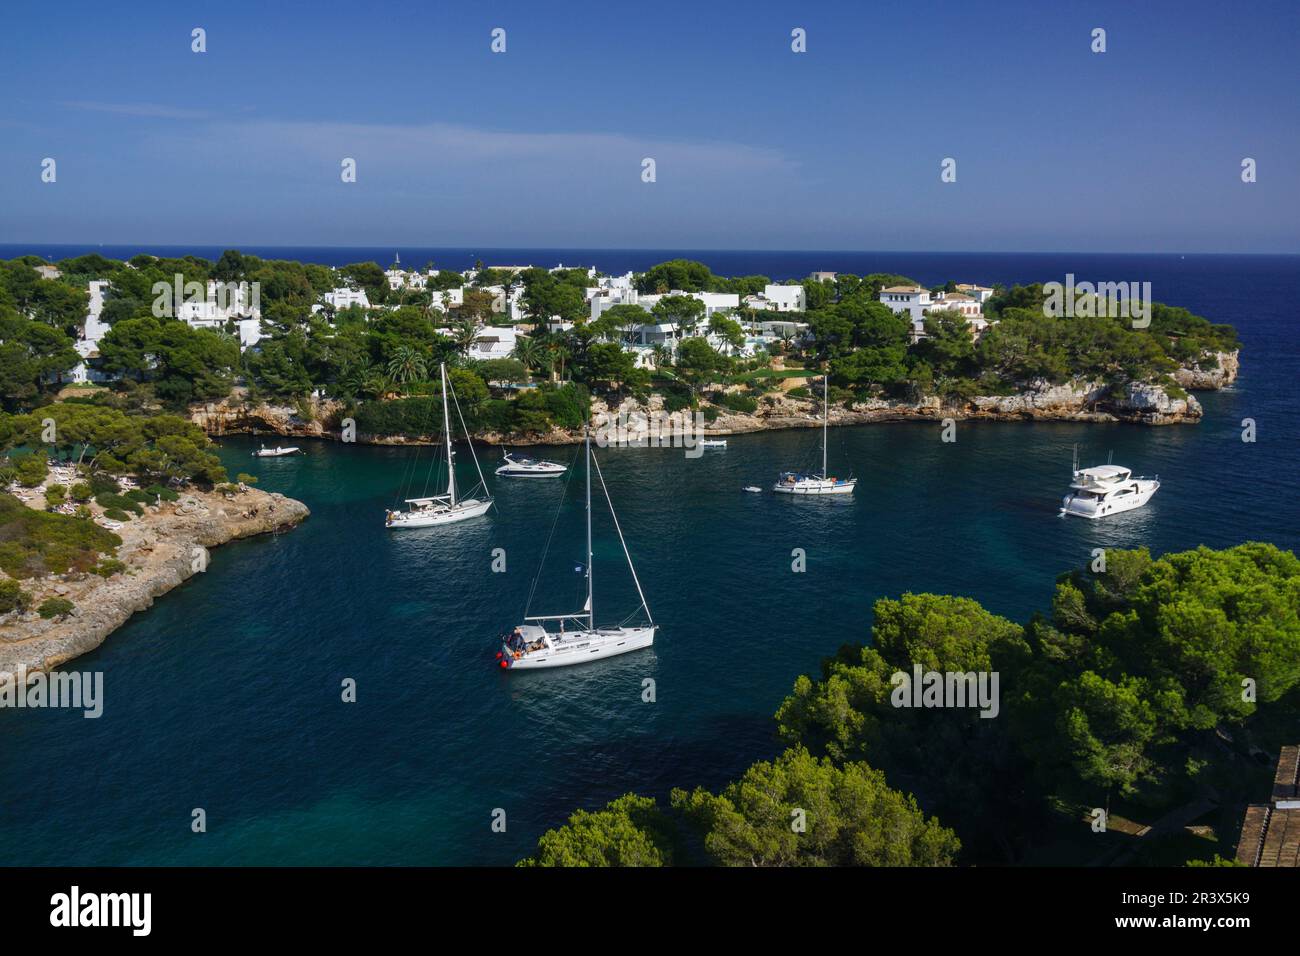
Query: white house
{"x": 717, "y": 301}
{"x": 494, "y": 342}
{"x": 917, "y": 303}
{"x": 225, "y": 303}
{"x": 513, "y": 306}
{"x": 624, "y": 294}
{"x": 401, "y": 279}
{"x": 979, "y": 293}
{"x": 779, "y": 298}
{"x": 342, "y": 298}
{"x": 92, "y": 330}
{"x": 643, "y": 356}
{"x": 956, "y": 302}
{"x": 446, "y": 299}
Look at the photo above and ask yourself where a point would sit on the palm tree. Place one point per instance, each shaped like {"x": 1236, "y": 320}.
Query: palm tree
{"x": 529, "y": 351}
{"x": 375, "y": 384}
{"x": 407, "y": 365}
{"x": 559, "y": 353}
{"x": 464, "y": 334}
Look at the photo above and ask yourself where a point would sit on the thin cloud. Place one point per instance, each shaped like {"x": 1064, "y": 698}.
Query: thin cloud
{"x": 153, "y": 110}
{"x": 401, "y": 146}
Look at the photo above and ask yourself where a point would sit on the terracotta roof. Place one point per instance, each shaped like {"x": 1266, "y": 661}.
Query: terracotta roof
{"x": 903, "y": 288}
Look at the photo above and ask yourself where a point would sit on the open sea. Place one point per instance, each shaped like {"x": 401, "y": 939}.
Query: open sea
{"x": 226, "y": 694}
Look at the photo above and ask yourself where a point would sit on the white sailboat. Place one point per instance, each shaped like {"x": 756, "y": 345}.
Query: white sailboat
{"x": 574, "y": 638}
{"x": 446, "y": 508}
{"x": 817, "y": 483}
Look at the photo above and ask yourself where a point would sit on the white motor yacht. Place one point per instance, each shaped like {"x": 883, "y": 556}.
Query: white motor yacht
{"x": 518, "y": 467}
{"x": 1106, "y": 490}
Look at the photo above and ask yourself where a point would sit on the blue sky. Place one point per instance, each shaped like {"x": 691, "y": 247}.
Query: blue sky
{"x": 1057, "y": 148}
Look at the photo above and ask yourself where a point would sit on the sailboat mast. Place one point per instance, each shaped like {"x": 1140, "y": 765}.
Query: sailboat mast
{"x": 591, "y": 608}
{"x": 826, "y": 416}
{"x": 446, "y": 430}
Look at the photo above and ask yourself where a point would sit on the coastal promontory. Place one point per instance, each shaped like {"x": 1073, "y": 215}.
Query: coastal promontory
{"x": 159, "y": 550}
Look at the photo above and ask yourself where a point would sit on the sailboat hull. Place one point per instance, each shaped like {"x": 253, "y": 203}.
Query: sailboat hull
{"x": 816, "y": 486}
{"x": 525, "y": 471}
{"x": 582, "y": 647}
{"x": 426, "y": 518}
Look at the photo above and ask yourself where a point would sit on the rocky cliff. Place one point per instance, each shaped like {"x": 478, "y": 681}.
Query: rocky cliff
{"x": 1223, "y": 374}
{"x": 161, "y": 549}
{"x": 1084, "y": 401}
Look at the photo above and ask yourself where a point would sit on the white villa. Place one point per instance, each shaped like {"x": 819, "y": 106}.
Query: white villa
{"x": 917, "y": 302}
{"x": 224, "y": 303}
{"x": 87, "y": 344}
{"x": 492, "y": 341}
{"x": 980, "y": 293}
{"x": 513, "y": 306}
{"x": 221, "y": 305}
{"x": 343, "y": 298}
{"x": 445, "y": 300}
{"x": 779, "y": 298}
{"x": 618, "y": 290}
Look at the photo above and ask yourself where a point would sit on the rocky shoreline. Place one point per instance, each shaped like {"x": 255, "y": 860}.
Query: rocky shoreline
{"x": 161, "y": 549}
{"x": 1079, "y": 401}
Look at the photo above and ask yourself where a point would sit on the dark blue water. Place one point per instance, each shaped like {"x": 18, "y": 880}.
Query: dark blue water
{"x": 1173, "y": 276}
{"x": 226, "y": 695}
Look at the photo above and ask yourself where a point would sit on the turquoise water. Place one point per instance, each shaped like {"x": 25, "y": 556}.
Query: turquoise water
{"x": 226, "y": 694}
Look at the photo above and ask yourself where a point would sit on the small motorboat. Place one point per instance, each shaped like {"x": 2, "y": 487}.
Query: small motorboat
{"x": 753, "y": 489}
{"x": 276, "y": 452}
{"x": 519, "y": 467}
{"x": 712, "y": 443}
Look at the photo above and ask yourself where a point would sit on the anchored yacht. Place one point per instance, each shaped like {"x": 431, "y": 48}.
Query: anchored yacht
{"x": 450, "y": 507}
{"x": 519, "y": 467}
{"x": 1106, "y": 490}
{"x": 816, "y": 483}
{"x": 574, "y": 638}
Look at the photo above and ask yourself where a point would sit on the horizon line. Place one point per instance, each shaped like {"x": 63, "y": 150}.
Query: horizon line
{"x": 399, "y": 246}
